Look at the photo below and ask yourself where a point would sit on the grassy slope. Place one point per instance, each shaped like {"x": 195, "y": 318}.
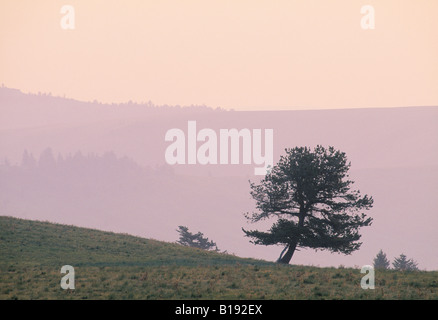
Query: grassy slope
{"x": 119, "y": 266}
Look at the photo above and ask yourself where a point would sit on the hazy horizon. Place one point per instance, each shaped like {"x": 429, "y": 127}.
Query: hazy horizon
{"x": 143, "y": 102}
{"x": 106, "y": 169}
{"x": 246, "y": 55}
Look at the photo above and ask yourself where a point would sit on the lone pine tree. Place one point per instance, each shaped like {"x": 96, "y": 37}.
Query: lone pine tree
{"x": 310, "y": 196}
{"x": 197, "y": 240}
{"x": 402, "y": 263}
{"x": 381, "y": 261}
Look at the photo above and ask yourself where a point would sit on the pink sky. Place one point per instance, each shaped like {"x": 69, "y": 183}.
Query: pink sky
{"x": 240, "y": 54}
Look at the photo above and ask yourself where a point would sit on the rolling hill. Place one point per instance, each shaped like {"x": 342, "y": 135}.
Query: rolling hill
{"x": 120, "y": 266}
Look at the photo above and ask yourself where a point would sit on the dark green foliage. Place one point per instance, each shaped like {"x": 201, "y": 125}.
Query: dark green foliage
{"x": 402, "y": 263}
{"x": 188, "y": 239}
{"x": 309, "y": 194}
{"x": 380, "y": 261}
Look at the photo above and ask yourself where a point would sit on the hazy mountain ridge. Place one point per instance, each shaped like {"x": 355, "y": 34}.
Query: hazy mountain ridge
{"x": 394, "y": 155}
{"x": 43, "y": 109}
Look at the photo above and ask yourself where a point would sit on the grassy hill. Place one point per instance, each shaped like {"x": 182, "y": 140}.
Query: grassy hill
{"x": 120, "y": 266}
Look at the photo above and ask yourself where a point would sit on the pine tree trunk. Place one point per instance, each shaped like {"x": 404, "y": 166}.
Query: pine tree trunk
{"x": 292, "y": 246}
{"x": 288, "y": 255}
